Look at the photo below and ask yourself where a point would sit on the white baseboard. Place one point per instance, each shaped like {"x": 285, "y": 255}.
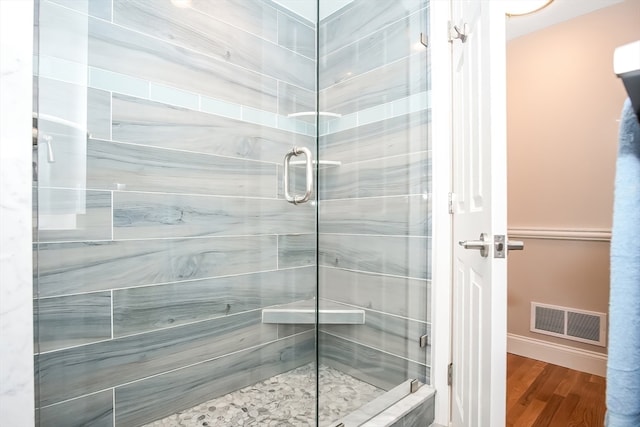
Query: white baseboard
{"x": 558, "y": 354}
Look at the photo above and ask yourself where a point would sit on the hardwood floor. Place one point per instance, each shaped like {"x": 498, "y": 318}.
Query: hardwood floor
{"x": 540, "y": 394}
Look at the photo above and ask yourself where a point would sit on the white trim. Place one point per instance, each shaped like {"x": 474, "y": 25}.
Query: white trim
{"x": 574, "y": 358}
{"x": 579, "y": 234}
{"x": 441, "y": 220}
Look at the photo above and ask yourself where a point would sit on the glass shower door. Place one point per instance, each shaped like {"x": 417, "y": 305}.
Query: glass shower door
{"x": 167, "y": 255}
{"x": 374, "y": 206}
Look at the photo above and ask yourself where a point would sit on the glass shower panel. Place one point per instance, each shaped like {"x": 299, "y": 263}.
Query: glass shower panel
{"x": 167, "y": 256}
{"x": 374, "y": 205}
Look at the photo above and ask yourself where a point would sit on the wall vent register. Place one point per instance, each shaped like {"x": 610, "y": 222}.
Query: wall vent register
{"x": 569, "y": 323}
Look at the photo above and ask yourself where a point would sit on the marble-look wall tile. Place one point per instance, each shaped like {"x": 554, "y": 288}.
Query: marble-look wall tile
{"x": 74, "y": 320}
{"x": 151, "y": 215}
{"x": 95, "y": 410}
{"x": 285, "y": 330}
{"x": 116, "y": 82}
{"x": 392, "y": 334}
{"x": 421, "y": 414}
{"x": 254, "y": 16}
{"x": 63, "y": 32}
{"x": 293, "y": 99}
{"x": 172, "y": 96}
{"x": 150, "y": 123}
{"x": 16, "y": 270}
{"x": 155, "y": 307}
{"x": 86, "y": 369}
{"x": 398, "y": 216}
{"x": 229, "y": 44}
{"x": 396, "y": 295}
{"x": 297, "y": 250}
{"x": 367, "y": 364}
{"x": 392, "y": 137}
{"x": 296, "y": 36}
{"x": 386, "y": 45}
{"x": 117, "y": 49}
{"x": 97, "y": 8}
{"x": 361, "y": 18}
{"x": 93, "y": 224}
{"x": 388, "y": 176}
{"x": 67, "y": 268}
{"x": 399, "y": 256}
{"x": 377, "y": 86}
{"x": 137, "y": 168}
{"x": 99, "y": 113}
{"x": 144, "y": 401}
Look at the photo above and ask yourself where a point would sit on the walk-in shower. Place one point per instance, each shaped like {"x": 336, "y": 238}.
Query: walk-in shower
{"x": 175, "y": 282}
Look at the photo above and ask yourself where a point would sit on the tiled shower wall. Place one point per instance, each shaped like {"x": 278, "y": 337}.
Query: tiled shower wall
{"x": 374, "y": 215}
{"x": 162, "y": 234}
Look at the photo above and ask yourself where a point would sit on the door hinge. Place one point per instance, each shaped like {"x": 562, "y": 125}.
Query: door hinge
{"x": 450, "y": 200}
{"x": 450, "y": 374}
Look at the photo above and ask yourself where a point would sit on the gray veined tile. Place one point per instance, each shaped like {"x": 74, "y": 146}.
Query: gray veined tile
{"x": 95, "y": 410}
{"x": 395, "y": 295}
{"x": 67, "y": 268}
{"x": 386, "y": 45}
{"x": 293, "y": 99}
{"x": 397, "y": 216}
{"x": 72, "y": 320}
{"x": 384, "y": 84}
{"x": 361, "y": 18}
{"x": 388, "y": 176}
{"x": 296, "y": 36}
{"x": 367, "y": 364}
{"x": 119, "y": 50}
{"x": 409, "y": 133}
{"x": 395, "y": 335}
{"x": 150, "y": 123}
{"x": 255, "y": 16}
{"x": 139, "y": 168}
{"x": 67, "y": 214}
{"x": 230, "y": 45}
{"x": 296, "y": 250}
{"x": 400, "y": 256}
{"x": 63, "y": 33}
{"x": 163, "y": 395}
{"x": 74, "y": 372}
{"x": 155, "y": 307}
{"x": 146, "y": 215}
{"x": 99, "y": 113}
{"x": 98, "y": 8}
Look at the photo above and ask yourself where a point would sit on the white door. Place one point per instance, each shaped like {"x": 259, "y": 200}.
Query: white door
{"x": 479, "y": 206}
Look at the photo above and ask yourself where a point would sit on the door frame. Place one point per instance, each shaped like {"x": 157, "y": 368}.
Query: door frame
{"x": 442, "y": 177}
{"x": 442, "y": 235}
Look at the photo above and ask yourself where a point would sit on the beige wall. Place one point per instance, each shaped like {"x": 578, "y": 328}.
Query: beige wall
{"x": 563, "y": 103}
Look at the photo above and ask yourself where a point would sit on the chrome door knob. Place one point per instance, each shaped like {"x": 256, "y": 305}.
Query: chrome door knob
{"x": 482, "y": 245}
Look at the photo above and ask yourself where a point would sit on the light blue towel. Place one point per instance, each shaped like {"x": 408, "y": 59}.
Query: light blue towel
{"x": 623, "y": 366}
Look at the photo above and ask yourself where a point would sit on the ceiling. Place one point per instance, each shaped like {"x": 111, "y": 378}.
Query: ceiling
{"x": 556, "y": 12}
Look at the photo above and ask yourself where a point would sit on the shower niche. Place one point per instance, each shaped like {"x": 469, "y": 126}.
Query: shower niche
{"x": 187, "y": 290}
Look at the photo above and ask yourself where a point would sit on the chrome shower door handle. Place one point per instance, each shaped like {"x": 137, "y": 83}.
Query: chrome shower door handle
{"x": 309, "y": 175}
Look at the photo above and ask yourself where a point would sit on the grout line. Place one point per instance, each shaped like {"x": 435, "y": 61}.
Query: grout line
{"x": 264, "y": 344}
{"x": 377, "y": 349}
{"x": 426, "y": 322}
{"x": 176, "y": 282}
{"x": 395, "y": 236}
{"x": 112, "y": 315}
{"x": 151, "y": 239}
{"x": 113, "y": 406}
{"x": 373, "y": 273}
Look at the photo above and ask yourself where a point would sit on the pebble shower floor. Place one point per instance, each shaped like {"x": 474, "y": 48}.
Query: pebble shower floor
{"x": 284, "y": 400}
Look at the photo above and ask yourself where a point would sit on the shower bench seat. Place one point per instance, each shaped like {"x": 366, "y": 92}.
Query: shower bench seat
{"x": 304, "y": 312}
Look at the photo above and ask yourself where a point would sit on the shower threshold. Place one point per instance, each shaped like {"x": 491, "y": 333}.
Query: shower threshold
{"x": 284, "y": 400}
